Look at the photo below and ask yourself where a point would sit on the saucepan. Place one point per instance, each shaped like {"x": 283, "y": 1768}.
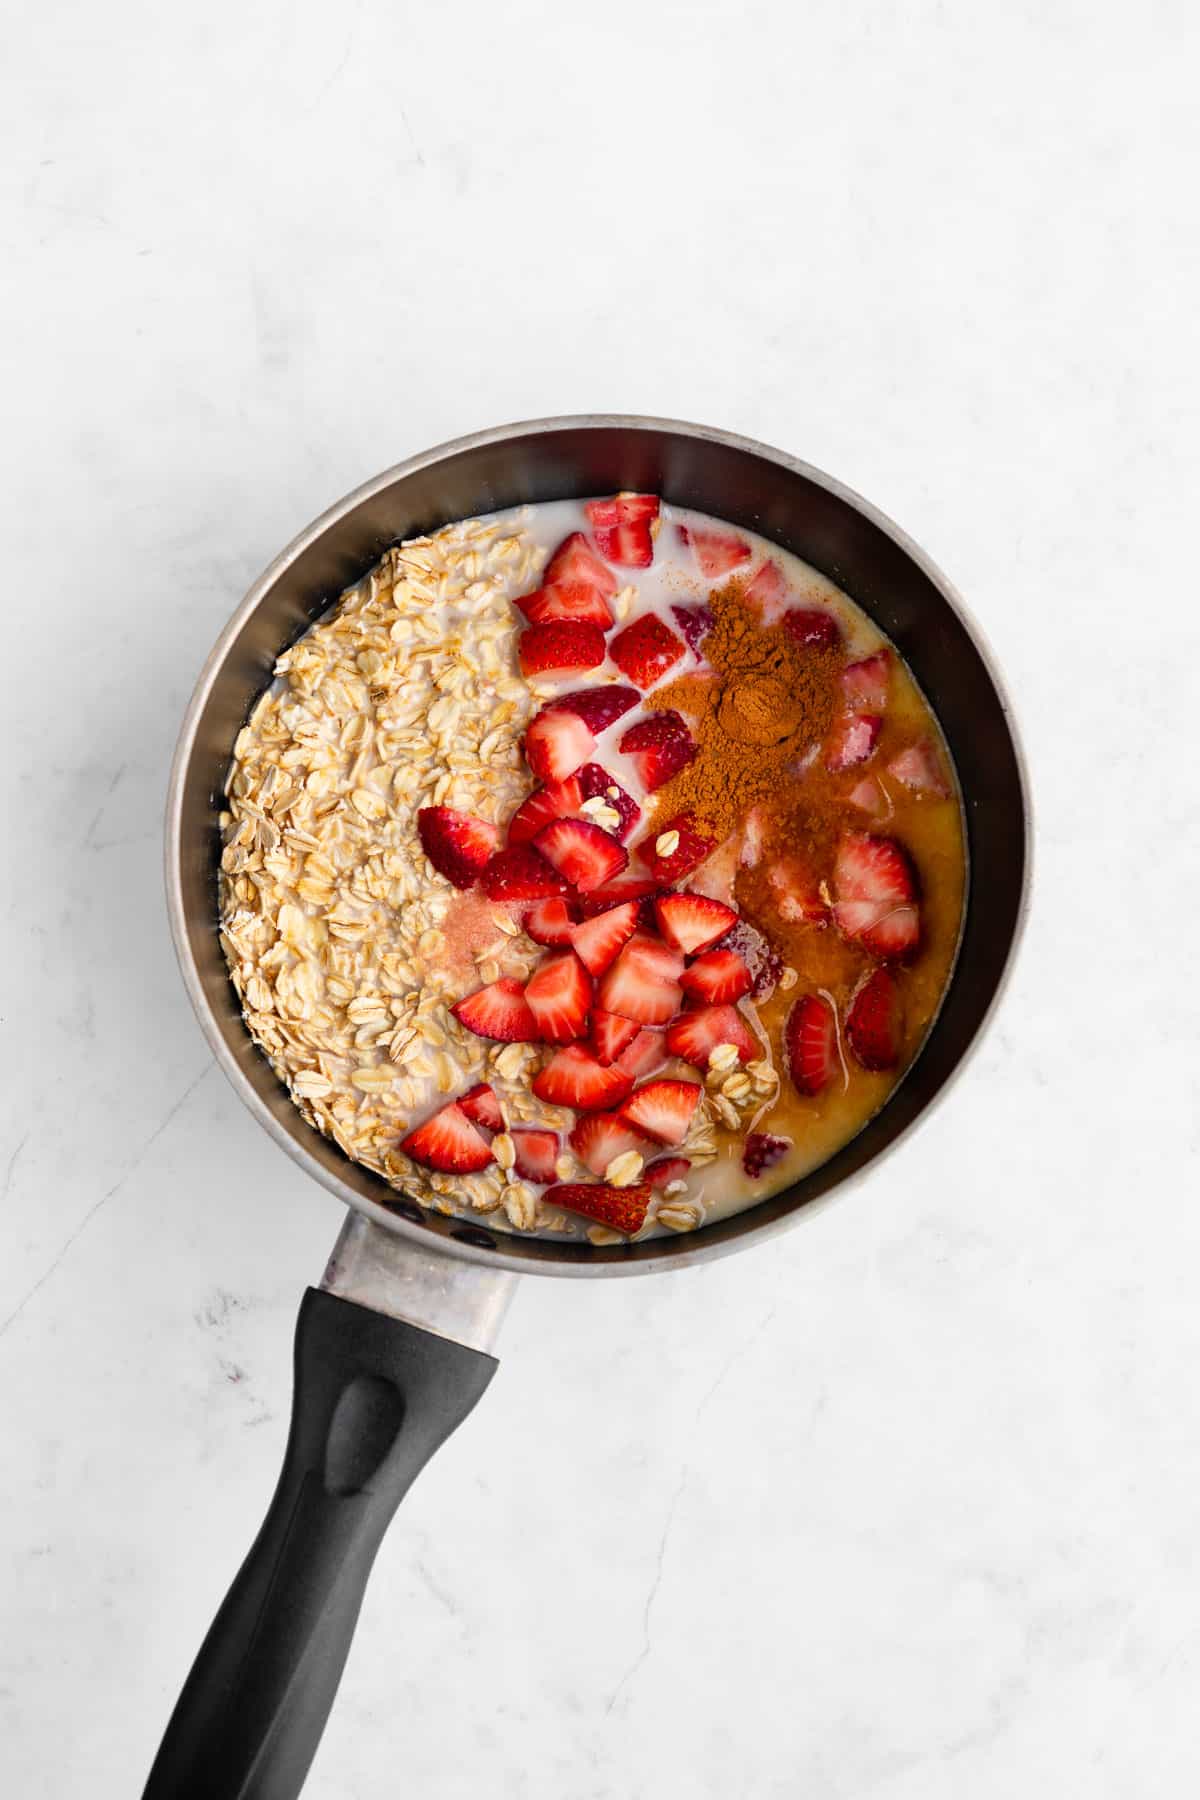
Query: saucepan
{"x": 394, "y": 1349}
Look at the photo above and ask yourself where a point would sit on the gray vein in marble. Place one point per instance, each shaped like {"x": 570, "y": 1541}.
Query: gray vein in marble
{"x": 11, "y": 1167}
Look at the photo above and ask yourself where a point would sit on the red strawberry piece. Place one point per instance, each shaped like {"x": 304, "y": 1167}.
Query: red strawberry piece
{"x": 665, "y": 1169}
{"x": 646, "y": 1053}
{"x": 581, "y": 852}
{"x": 611, "y": 1034}
{"x": 597, "y": 783}
{"x": 688, "y": 854}
{"x": 560, "y": 646}
{"x": 598, "y": 1137}
{"x": 622, "y": 528}
{"x": 876, "y": 894}
{"x": 798, "y": 897}
{"x": 537, "y": 1153}
{"x": 764, "y": 963}
{"x": 556, "y": 744}
{"x": 659, "y": 747}
{"x": 696, "y": 1035}
{"x": 456, "y": 843}
{"x": 810, "y": 1039}
{"x": 598, "y": 707}
{"x": 643, "y": 983}
{"x": 663, "y": 1109}
{"x": 767, "y": 589}
{"x": 892, "y": 932}
{"x": 597, "y": 941}
{"x": 695, "y": 622}
{"x": 559, "y": 995}
{"x": 573, "y": 1077}
{"x": 717, "y": 552}
{"x": 865, "y": 684}
{"x": 481, "y": 1105}
{"x": 549, "y": 922}
{"x": 868, "y": 797}
{"x": 646, "y": 649}
{"x": 519, "y": 873}
{"x": 919, "y": 769}
{"x": 813, "y": 627}
{"x": 716, "y": 977}
{"x": 693, "y": 922}
{"x": 616, "y": 893}
{"x": 852, "y": 740}
{"x": 498, "y": 1011}
{"x": 566, "y": 600}
{"x": 761, "y": 1150}
{"x": 874, "y": 1023}
{"x": 621, "y": 1209}
{"x": 448, "y": 1141}
{"x": 575, "y": 560}
{"x": 556, "y": 800}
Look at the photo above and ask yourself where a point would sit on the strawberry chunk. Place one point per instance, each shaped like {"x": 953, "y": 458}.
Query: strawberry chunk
{"x": 865, "y": 683}
{"x": 761, "y": 1151}
{"x": 564, "y": 646}
{"x": 597, "y": 941}
{"x": 566, "y": 600}
{"x": 622, "y": 528}
{"x": 598, "y": 1137}
{"x": 498, "y": 1011}
{"x": 621, "y": 1209}
{"x": 556, "y": 744}
{"x": 616, "y": 893}
{"x": 611, "y": 1034}
{"x": 559, "y": 995}
{"x": 869, "y": 797}
{"x": 582, "y": 853}
{"x": 549, "y": 922}
{"x": 717, "y": 977}
{"x": 852, "y": 741}
{"x": 876, "y": 889}
{"x": 687, "y": 855}
{"x": 665, "y": 1169}
{"x": 647, "y": 1052}
{"x": 810, "y": 1040}
{"x": 575, "y": 560}
{"x": 919, "y": 769}
{"x": 599, "y": 706}
{"x": 663, "y": 1109}
{"x": 456, "y": 843}
{"x": 695, "y": 622}
{"x": 536, "y": 1153}
{"x": 646, "y": 649}
{"x": 448, "y": 1142}
{"x": 767, "y": 589}
{"x": 763, "y": 961}
{"x": 573, "y": 1077}
{"x": 519, "y": 873}
{"x": 556, "y": 800}
{"x": 659, "y": 747}
{"x": 643, "y": 983}
{"x": 716, "y": 552}
{"x": 874, "y": 1023}
{"x": 797, "y": 893}
{"x": 693, "y": 922}
{"x": 482, "y": 1107}
{"x": 696, "y": 1035}
{"x": 598, "y": 784}
{"x": 812, "y": 627}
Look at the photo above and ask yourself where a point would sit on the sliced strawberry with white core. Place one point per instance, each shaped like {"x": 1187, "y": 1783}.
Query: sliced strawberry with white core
{"x": 559, "y": 995}
{"x": 891, "y": 931}
{"x": 622, "y": 528}
{"x": 692, "y": 922}
{"x": 560, "y": 647}
{"x": 519, "y": 873}
{"x": 865, "y": 683}
{"x": 695, "y": 622}
{"x": 556, "y": 744}
{"x": 717, "y": 552}
{"x": 456, "y": 843}
{"x": 498, "y": 1011}
{"x": 663, "y": 1109}
{"x": 573, "y": 1077}
{"x": 665, "y": 1169}
{"x": 869, "y": 797}
{"x": 582, "y": 853}
{"x": 852, "y": 741}
{"x": 599, "y": 706}
{"x": 536, "y": 1153}
{"x": 876, "y": 890}
{"x": 919, "y": 769}
{"x": 556, "y": 800}
{"x": 616, "y": 893}
{"x": 761, "y": 1151}
{"x": 597, "y": 941}
{"x": 812, "y": 627}
{"x": 874, "y": 1023}
{"x": 482, "y": 1107}
{"x": 647, "y": 1052}
{"x": 646, "y": 649}
{"x": 767, "y": 589}
{"x": 549, "y": 922}
{"x": 567, "y": 600}
{"x": 621, "y": 1209}
{"x": 643, "y": 983}
{"x": 717, "y": 977}
{"x": 687, "y": 849}
{"x": 611, "y": 1034}
{"x": 658, "y": 748}
{"x": 575, "y": 560}
{"x": 798, "y": 897}
{"x": 695, "y": 1035}
{"x": 810, "y": 1039}
{"x": 598, "y": 1138}
{"x": 763, "y": 961}
{"x": 448, "y": 1142}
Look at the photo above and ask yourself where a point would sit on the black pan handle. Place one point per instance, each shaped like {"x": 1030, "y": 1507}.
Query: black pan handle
{"x": 374, "y": 1398}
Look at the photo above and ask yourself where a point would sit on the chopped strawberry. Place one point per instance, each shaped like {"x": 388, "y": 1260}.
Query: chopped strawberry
{"x": 693, "y": 922}
{"x": 597, "y": 941}
{"x": 687, "y": 855}
{"x": 559, "y": 995}
{"x": 643, "y": 983}
{"x": 448, "y": 1141}
{"x": 813, "y": 627}
{"x": 659, "y": 747}
{"x": 567, "y": 600}
{"x": 865, "y": 684}
{"x": 481, "y": 1105}
{"x": 874, "y": 1023}
{"x": 646, "y": 649}
{"x": 622, "y": 528}
{"x": 621, "y": 1209}
{"x": 852, "y": 740}
{"x": 761, "y": 1151}
{"x": 891, "y": 931}
{"x": 810, "y": 1039}
{"x": 695, "y": 622}
{"x": 573, "y": 1077}
{"x": 556, "y": 800}
{"x": 561, "y": 647}
{"x": 716, "y": 977}
{"x": 536, "y": 1151}
{"x": 519, "y": 873}
{"x": 598, "y": 1137}
{"x": 798, "y": 896}
{"x": 764, "y": 963}
{"x": 767, "y": 589}
{"x": 869, "y": 797}
{"x": 665, "y": 1169}
{"x": 648, "y": 1051}
{"x": 696, "y": 1035}
{"x": 575, "y": 560}
{"x": 876, "y": 891}
{"x": 616, "y": 893}
{"x": 611, "y": 1034}
{"x": 581, "y": 852}
{"x": 919, "y": 769}
{"x": 599, "y": 706}
{"x": 556, "y": 744}
{"x": 663, "y": 1109}
{"x": 717, "y": 552}
{"x": 456, "y": 843}
{"x": 549, "y": 922}
{"x": 498, "y": 1011}
{"x": 598, "y": 784}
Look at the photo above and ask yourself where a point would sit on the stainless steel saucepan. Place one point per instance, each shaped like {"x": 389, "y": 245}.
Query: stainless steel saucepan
{"x": 393, "y": 1349}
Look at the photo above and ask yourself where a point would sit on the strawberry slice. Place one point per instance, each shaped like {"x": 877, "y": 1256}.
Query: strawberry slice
{"x": 761, "y": 1150}
{"x": 621, "y": 1209}
{"x": 598, "y": 784}
{"x": 852, "y": 740}
{"x": 876, "y": 890}
{"x": 693, "y": 922}
{"x": 561, "y": 646}
{"x": 549, "y": 922}
{"x": 717, "y": 552}
{"x": 498, "y": 1011}
{"x": 659, "y": 747}
{"x": 575, "y": 560}
{"x": 566, "y": 600}
{"x": 647, "y": 1052}
{"x": 537, "y": 1153}
{"x": 519, "y": 873}
{"x": 764, "y": 963}
{"x": 616, "y": 893}
{"x": 892, "y": 932}
{"x": 874, "y": 1024}
{"x": 696, "y": 1035}
{"x": 665, "y": 1169}
{"x": 449, "y": 1142}
{"x": 456, "y": 843}
{"x": 687, "y": 855}
{"x": 598, "y": 707}
{"x": 573, "y": 1077}
{"x": 597, "y": 941}
{"x": 798, "y": 896}
{"x": 556, "y": 744}
{"x": 695, "y": 622}
{"x": 559, "y": 995}
{"x": 767, "y": 589}
{"x": 611, "y": 1034}
{"x": 719, "y": 976}
{"x": 482, "y": 1107}
{"x": 810, "y": 1039}
{"x": 646, "y": 649}
{"x": 643, "y": 983}
{"x": 556, "y": 800}
{"x": 663, "y": 1109}
{"x": 582, "y": 853}
{"x": 622, "y": 528}
{"x": 868, "y": 797}
{"x": 812, "y": 627}
{"x": 865, "y": 684}
{"x": 598, "y": 1137}
{"x": 919, "y": 769}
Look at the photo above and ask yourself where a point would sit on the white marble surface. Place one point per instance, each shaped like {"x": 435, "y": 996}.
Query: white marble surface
{"x": 902, "y": 1506}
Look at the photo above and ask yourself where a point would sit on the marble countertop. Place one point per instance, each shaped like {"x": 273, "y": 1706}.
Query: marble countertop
{"x": 902, "y": 1505}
